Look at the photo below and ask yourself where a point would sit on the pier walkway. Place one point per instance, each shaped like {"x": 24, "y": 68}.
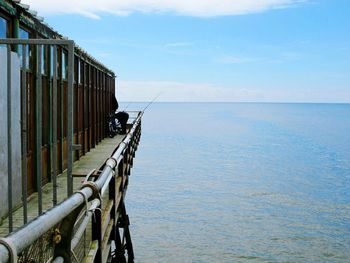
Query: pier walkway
{"x": 88, "y": 162}
{"x": 90, "y": 225}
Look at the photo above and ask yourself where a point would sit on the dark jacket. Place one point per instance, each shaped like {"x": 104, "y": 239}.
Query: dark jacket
{"x": 114, "y": 103}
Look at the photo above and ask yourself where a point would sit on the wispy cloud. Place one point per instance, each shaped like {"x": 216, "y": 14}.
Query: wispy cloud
{"x": 279, "y": 57}
{"x": 182, "y": 91}
{"x": 291, "y": 56}
{"x": 228, "y": 59}
{"x": 105, "y": 54}
{"x": 203, "y": 92}
{"x": 198, "y": 8}
{"x": 179, "y": 44}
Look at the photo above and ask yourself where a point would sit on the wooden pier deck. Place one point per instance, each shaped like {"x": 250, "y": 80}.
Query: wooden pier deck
{"x": 91, "y": 225}
{"x": 91, "y": 160}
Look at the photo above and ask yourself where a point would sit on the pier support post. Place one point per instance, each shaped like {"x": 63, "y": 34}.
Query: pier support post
{"x": 97, "y": 233}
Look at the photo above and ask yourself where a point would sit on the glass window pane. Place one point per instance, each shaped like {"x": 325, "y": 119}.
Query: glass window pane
{"x": 3, "y": 29}
{"x": 24, "y": 35}
{"x": 64, "y": 65}
{"x": 44, "y": 59}
{"x": 79, "y": 72}
{"x": 51, "y": 61}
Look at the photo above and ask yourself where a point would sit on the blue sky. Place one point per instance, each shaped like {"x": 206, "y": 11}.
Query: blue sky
{"x": 262, "y": 50}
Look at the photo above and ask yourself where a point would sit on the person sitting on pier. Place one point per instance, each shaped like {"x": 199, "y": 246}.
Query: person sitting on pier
{"x": 121, "y": 116}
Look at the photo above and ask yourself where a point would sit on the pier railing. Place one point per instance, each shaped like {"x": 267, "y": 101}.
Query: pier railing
{"x": 57, "y": 232}
{"x": 54, "y": 99}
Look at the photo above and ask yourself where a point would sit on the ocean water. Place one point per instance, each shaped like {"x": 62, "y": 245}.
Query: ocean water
{"x": 240, "y": 182}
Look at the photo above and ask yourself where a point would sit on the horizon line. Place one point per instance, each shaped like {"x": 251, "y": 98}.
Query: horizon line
{"x": 238, "y": 102}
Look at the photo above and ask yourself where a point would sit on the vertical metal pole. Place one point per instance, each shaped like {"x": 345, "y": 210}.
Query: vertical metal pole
{"x": 49, "y": 80}
{"x": 126, "y": 223}
{"x": 24, "y": 133}
{"x": 76, "y": 110}
{"x": 16, "y": 31}
{"x": 39, "y": 125}
{"x": 61, "y": 111}
{"x": 99, "y": 104}
{"x": 89, "y": 108}
{"x": 9, "y": 138}
{"x": 38, "y": 138}
{"x": 54, "y": 126}
{"x": 70, "y": 119}
{"x": 82, "y": 78}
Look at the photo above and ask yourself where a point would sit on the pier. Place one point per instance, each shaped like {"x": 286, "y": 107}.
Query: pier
{"x": 63, "y": 180}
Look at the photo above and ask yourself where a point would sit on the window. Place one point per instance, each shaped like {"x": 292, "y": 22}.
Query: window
{"x": 43, "y": 60}
{"x": 52, "y": 61}
{"x": 3, "y": 29}
{"x": 23, "y": 34}
{"x": 64, "y": 65}
{"x": 79, "y": 72}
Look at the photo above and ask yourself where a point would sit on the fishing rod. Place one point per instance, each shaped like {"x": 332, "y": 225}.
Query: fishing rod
{"x": 151, "y": 102}
{"x": 127, "y": 106}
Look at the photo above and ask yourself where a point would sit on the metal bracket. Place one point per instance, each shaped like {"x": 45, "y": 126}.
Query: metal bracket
{"x": 11, "y": 249}
{"x": 94, "y": 188}
{"x": 76, "y": 147}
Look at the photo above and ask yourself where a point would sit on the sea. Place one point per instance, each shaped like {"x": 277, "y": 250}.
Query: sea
{"x": 241, "y": 182}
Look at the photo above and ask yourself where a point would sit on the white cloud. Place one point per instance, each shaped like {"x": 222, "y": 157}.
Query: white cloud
{"x": 206, "y": 92}
{"x": 179, "y": 44}
{"x": 199, "y": 8}
{"x": 227, "y": 59}
{"x": 179, "y": 91}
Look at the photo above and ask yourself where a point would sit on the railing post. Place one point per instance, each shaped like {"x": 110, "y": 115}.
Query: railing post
{"x": 38, "y": 130}
{"x": 119, "y": 246}
{"x": 70, "y": 118}
{"x": 24, "y": 132}
{"x": 124, "y": 223}
{"x": 97, "y": 232}
{"x": 54, "y": 126}
{"x": 112, "y": 196}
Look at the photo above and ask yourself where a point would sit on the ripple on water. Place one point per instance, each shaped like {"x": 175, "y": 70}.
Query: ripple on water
{"x": 274, "y": 188}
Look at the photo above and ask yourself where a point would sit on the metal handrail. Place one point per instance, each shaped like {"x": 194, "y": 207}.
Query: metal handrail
{"x": 20, "y": 239}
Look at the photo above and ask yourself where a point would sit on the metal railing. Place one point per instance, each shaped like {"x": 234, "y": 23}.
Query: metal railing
{"x": 58, "y": 222}
{"x": 113, "y": 177}
{"x": 38, "y": 43}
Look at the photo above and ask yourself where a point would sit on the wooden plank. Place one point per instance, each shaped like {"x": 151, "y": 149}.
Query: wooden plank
{"x": 105, "y": 247}
{"x": 106, "y": 216}
{"x": 106, "y": 252}
{"x": 90, "y": 257}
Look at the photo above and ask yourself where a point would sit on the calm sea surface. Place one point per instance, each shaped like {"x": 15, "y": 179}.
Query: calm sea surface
{"x": 230, "y": 182}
